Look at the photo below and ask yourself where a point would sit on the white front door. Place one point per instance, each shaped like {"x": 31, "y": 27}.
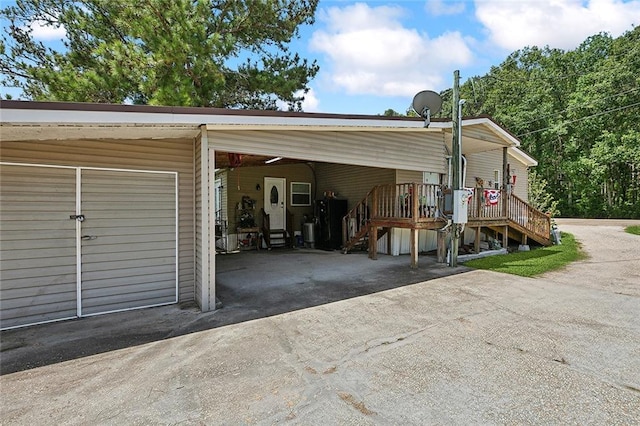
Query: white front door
{"x": 275, "y": 201}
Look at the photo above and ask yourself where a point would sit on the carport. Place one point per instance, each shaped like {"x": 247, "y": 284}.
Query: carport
{"x": 146, "y": 238}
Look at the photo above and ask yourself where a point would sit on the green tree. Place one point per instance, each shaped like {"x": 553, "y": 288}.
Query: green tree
{"x": 539, "y": 196}
{"x": 391, "y": 113}
{"x": 576, "y": 113}
{"x": 217, "y": 53}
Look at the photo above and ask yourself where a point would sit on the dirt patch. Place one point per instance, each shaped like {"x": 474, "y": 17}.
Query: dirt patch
{"x": 358, "y": 405}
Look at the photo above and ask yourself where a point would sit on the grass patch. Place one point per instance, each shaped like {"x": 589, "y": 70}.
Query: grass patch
{"x": 534, "y": 262}
{"x": 635, "y": 229}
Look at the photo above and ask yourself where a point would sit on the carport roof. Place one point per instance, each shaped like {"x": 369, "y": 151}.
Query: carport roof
{"x": 29, "y": 120}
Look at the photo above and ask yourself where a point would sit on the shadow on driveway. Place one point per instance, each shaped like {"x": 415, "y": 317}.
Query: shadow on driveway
{"x": 251, "y": 285}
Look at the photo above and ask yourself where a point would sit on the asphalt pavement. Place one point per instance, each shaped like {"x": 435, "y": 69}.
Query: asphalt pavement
{"x": 473, "y": 348}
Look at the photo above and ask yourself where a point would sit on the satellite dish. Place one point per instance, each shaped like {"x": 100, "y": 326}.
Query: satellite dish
{"x": 426, "y": 103}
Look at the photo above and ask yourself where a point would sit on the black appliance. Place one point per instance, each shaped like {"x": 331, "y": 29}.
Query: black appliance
{"x": 329, "y": 214}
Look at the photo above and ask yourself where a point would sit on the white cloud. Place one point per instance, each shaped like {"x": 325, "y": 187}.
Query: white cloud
{"x": 368, "y": 51}
{"x": 45, "y": 32}
{"x": 442, "y": 7}
{"x": 310, "y": 103}
{"x": 557, "y": 23}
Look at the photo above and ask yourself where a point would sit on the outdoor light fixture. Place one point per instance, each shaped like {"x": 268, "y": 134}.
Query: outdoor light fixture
{"x": 273, "y": 160}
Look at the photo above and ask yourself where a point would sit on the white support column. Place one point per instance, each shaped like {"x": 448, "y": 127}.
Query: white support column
{"x": 204, "y": 220}
{"x": 207, "y": 249}
{"x": 211, "y": 240}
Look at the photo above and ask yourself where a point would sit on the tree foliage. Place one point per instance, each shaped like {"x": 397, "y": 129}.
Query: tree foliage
{"x": 219, "y": 53}
{"x": 576, "y": 112}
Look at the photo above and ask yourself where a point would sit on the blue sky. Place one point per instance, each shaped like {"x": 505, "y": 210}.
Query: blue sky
{"x": 375, "y": 55}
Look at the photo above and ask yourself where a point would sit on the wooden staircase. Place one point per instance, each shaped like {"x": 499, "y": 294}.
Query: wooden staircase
{"x": 405, "y": 205}
{"x": 275, "y": 238}
{"x": 511, "y": 217}
{"x": 422, "y": 206}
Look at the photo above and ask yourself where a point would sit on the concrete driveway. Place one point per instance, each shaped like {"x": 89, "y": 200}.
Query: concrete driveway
{"x": 473, "y": 348}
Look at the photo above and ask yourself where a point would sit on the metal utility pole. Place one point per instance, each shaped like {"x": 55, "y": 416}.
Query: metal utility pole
{"x": 455, "y": 169}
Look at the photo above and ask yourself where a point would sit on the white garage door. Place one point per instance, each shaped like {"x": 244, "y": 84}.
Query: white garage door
{"x": 119, "y": 253}
{"x": 38, "y": 281}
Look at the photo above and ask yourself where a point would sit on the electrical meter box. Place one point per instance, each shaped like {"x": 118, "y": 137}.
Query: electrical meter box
{"x": 460, "y": 206}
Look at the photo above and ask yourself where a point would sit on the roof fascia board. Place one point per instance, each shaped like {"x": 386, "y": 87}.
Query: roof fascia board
{"x": 494, "y": 127}
{"x": 317, "y": 128}
{"x": 65, "y": 117}
{"x": 523, "y": 157}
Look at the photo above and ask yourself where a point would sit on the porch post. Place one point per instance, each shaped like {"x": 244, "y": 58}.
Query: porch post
{"x": 373, "y": 242}
{"x": 505, "y": 237}
{"x": 414, "y": 247}
{"x": 505, "y": 181}
{"x": 476, "y": 243}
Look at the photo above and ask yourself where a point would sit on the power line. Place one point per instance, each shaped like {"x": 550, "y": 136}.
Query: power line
{"x": 580, "y": 119}
{"x": 580, "y": 106}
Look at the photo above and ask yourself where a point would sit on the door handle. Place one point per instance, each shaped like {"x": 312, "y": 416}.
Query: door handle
{"x": 89, "y": 237}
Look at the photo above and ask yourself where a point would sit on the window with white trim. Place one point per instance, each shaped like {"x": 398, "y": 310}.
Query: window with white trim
{"x": 300, "y": 194}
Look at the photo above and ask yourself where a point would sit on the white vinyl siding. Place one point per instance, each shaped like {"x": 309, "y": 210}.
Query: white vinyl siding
{"x": 395, "y": 150}
{"x": 160, "y": 155}
{"x": 38, "y": 250}
{"x": 483, "y": 165}
{"x": 408, "y": 176}
{"x": 351, "y": 182}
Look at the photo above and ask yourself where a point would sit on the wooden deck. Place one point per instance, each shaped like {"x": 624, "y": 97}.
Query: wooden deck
{"x": 417, "y": 206}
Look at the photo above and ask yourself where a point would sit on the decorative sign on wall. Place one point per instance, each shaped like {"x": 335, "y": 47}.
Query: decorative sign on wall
{"x": 491, "y": 196}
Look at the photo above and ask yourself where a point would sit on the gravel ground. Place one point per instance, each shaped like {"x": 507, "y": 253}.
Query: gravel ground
{"x": 474, "y": 348}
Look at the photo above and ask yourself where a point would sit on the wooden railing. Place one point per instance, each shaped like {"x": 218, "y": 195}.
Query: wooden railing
{"x": 480, "y": 208}
{"x": 394, "y": 204}
{"x": 409, "y": 202}
{"x": 509, "y": 207}
{"x": 528, "y": 217}
{"x": 412, "y": 204}
{"x": 266, "y": 226}
{"x": 355, "y": 223}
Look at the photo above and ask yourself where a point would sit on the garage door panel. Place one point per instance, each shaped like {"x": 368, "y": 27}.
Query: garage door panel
{"x": 35, "y": 199}
{"x": 53, "y": 247}
{"x": 134, "y": 257}
{"x": 146, "y": 213}
{"x": 116, "y": 206}
{"x": 30, "y": 262}
{"x": 110, "y": 281}
{"x": 126, "y": 264}
{"x": 129, "y": 239}
{"x": 68, "y": 270}
{"x": 29, "y": 228}
{"x": 61, "y": 295}
{"x": 131, "y": 289}
{"x": 123, "y": 302}
{"x": 32, "y": 232}
{"x": 137, "y": 249}
{"x": 123, "y": 275}
{"x": 125, "y": 228}
{"x": 132, "y": 264}
{"x": 38, "y": 282}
